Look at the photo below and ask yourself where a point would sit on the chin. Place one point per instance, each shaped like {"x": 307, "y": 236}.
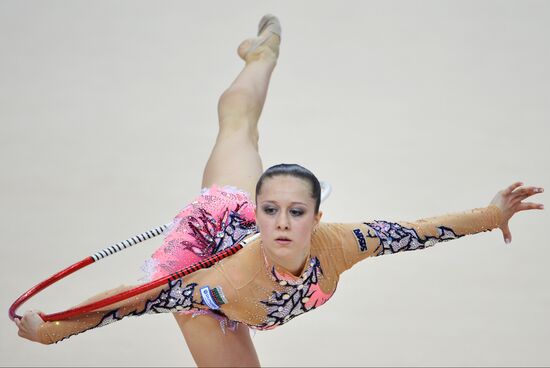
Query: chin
{"x": 282, "y": 250}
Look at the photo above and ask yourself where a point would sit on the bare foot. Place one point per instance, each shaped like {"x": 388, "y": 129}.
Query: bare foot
{"x": 266, "y": 45}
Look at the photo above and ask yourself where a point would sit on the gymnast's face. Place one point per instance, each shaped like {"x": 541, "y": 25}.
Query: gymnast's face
{"x": 285, "y": 214}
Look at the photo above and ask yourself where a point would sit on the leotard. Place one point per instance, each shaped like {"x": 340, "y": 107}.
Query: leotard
{"x": 246, "y": 288}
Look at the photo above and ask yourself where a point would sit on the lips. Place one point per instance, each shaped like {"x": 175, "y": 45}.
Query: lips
{"x": 283, "y": 240}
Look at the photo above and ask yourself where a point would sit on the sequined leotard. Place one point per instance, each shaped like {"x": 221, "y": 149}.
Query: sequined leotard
{"x": 246, "y": 288}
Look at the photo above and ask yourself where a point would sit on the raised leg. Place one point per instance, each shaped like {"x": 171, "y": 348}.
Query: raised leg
{"x": 235, "y": 161}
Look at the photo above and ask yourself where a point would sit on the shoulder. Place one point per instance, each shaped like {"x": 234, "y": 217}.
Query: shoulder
{"x": 242, "y": 267}
{"x": 333, "y": 235}
{"x": 326, "y": 245}
{"x": 345, "y": 243}
{"x": 328, "y": 235}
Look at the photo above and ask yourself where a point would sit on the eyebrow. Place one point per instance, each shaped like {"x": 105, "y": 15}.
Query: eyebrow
{"x": 290, "y": 202}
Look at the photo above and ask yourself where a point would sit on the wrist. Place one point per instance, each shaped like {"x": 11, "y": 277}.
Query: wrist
{"x": 496, "y": 214}
{"x": 43, "y": 335}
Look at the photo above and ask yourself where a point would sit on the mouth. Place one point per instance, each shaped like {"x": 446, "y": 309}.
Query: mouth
{"x": 283, "y": 240}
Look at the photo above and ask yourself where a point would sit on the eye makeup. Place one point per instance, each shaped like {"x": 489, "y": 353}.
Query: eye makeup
{"x": 295, "y": 212}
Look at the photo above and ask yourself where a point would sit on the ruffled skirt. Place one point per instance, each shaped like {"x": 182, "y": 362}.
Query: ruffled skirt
{"x": 217, "y": 219}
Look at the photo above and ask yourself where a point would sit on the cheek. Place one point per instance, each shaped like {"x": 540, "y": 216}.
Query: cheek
{"x": 303, "y": 228}
{"x": 263, "y": 222}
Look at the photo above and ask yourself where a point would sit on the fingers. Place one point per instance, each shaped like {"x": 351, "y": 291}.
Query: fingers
{"x": 28, "y": 325}
{"x": 521, "y": 194}
{"x": 24, "y": 321}
{"x": 526, "y": 192}
{"x": 517, "y": 196}
{"x": 507, "y": 234}
{"x": 511, "y": 188}
{"x": 523, "y": 206}
{"x": 519, "y": 199}
{"x": 515, "y": 201}
{"x": 22, "y": 332}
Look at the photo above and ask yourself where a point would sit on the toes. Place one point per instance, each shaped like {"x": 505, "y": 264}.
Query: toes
{"x": 270, "y": 23}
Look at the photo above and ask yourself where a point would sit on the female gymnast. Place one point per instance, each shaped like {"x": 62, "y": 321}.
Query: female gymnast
{"x": 293, "y": 267}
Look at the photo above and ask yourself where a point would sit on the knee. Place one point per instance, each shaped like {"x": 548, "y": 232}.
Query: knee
{"x": 238, "y": 103}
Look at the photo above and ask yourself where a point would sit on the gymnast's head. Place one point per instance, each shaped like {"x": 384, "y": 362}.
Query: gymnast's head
{"x": 287, "y": 207}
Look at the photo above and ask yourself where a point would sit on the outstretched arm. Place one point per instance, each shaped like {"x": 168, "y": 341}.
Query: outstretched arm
{"x": 33, "y": 327}
{"x": 379, "y": 237}
{"x": 178, "y": 295}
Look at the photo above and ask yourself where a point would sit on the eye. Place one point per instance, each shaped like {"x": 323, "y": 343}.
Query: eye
{"x": 269, "y": 210}
{"x": 296, "y": 212}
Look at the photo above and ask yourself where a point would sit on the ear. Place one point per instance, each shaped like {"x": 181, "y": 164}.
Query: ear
{"x": 318, "y": 217}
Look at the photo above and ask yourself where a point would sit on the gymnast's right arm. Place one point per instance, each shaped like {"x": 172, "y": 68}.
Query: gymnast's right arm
{"x": 204, "y": 289}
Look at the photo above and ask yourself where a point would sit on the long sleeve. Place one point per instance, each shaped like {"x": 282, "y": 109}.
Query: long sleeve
{"x": 379, "y": 237}
{"x": 204, "y": 289}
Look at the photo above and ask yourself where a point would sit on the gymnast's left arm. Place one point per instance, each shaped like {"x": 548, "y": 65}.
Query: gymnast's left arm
{"x": 379, "y": 237}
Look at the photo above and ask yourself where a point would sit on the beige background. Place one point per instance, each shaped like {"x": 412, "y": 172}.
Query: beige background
{"x": 408, "y": 108}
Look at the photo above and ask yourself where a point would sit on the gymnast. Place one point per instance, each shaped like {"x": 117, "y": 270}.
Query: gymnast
{"x": 293, "y": 266}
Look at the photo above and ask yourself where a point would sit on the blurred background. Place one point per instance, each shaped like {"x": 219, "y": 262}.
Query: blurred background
{"x": 409, "y": 109}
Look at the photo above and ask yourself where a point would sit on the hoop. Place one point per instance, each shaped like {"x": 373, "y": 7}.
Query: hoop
{"x": 115, "y": 248}
{"x": 205, "y": 263}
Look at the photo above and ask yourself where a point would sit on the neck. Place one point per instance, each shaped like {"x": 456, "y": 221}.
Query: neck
{"x": 294, "y": 265}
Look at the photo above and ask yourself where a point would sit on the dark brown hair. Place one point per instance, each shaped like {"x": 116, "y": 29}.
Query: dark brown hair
{"x": 295, "y": 171}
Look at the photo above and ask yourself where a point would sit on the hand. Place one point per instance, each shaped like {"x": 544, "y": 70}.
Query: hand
{"x": 509, "y": 201}
{"x": 28, "y": 325}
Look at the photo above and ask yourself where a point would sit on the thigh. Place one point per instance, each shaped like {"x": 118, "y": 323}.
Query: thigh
{"x": 234, "y": 161}
{"x": 210, "y": 346}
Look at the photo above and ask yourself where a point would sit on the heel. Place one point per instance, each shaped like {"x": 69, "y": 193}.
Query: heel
{"x": 269, "y": 39}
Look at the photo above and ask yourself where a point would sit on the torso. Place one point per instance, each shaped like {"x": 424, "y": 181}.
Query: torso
{"x": 268, "y": 296}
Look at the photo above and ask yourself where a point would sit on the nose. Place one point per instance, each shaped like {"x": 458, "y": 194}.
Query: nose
{"x": 282, "y": 221}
